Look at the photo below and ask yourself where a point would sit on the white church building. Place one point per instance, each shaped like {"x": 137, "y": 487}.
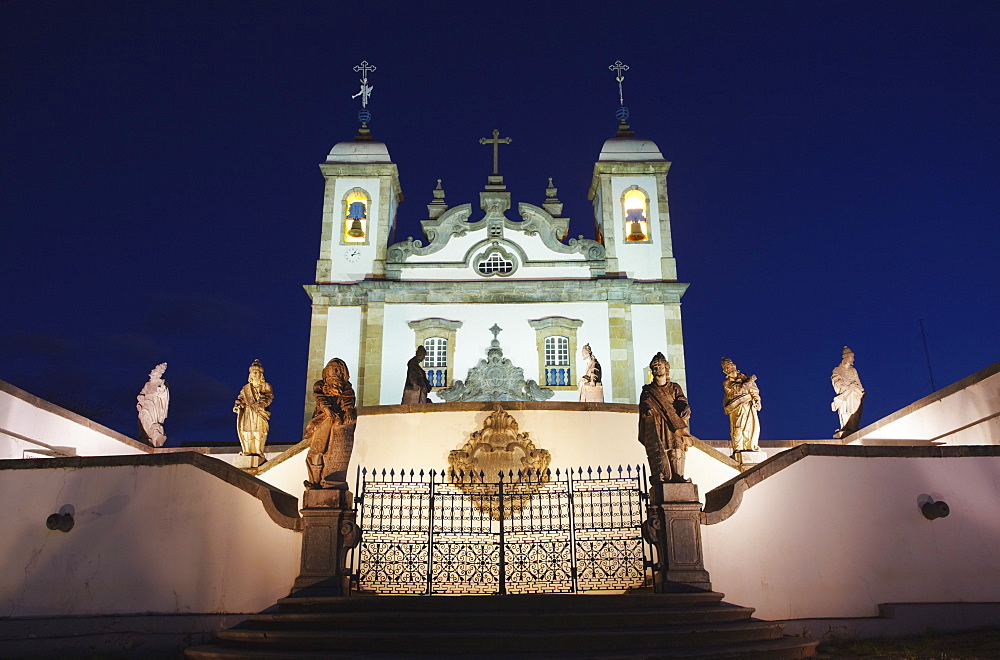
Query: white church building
{"x": 491, "y": 263}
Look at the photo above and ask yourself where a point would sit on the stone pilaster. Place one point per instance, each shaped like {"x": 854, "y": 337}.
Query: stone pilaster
{"x": 329, "y": 532}
{"x": 622, "y": 358}
{"x": 317, "y": 351}
{"x": 673, "y": 525}
{"x": 370, "y": 362}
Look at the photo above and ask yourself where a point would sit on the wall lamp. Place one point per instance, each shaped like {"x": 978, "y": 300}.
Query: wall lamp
{"x": 60, "y": 521}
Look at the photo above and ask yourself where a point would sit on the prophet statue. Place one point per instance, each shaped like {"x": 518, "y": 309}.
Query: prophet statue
{"x": 417, "y": 386}
{"x": 330, "y": 432}
{"x": 252, "y": 412}
{"x": 663, "y": 424}
{"x": 850, "y": 395}
{"x": 152, "y": 404}
{"x": 741, "y": 402}
{"x": 590, "y": 386}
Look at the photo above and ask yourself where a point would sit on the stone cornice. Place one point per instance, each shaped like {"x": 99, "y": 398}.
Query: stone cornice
{"x": 655, "y": 168}
{"x": 486, "y": 291}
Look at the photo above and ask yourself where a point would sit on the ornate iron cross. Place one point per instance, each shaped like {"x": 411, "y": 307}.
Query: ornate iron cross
{"x": 366, "y": 90}
{"x": 497, "y": 141}
{"x": 619, "y": 70}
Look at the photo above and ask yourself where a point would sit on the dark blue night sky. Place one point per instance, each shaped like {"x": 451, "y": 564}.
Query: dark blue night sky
{"x": 835, "y": 175}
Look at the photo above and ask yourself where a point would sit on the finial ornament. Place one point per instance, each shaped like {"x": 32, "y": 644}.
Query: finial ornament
{"x": 366, "y": 90}
{"x": 496, "y": 141}
{"x": 496, "y": 331}
{"x": 619, "y": 70}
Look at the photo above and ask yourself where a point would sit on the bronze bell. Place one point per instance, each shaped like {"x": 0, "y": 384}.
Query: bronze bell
{"x": 636, "y": 232}
{"x": 357, "y": 232}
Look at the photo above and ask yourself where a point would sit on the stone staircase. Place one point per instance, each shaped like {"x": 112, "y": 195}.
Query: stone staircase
{"x": 635, "y": 625}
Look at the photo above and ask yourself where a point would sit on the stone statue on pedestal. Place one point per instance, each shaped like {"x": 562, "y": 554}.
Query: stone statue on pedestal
{"x": 741, "y": 401}
{"x": 663, "y": 424}
{"x": 417, "y": 386}
{"x": 252, "y": 414}
{"x": 330, "y": 432}
{"x": 591, "y": 388}
{"x": 850, "y": 395}
{"x": 152, "y": 404}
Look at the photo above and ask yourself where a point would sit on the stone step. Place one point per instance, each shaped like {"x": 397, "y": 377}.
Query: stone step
{"x": 509, "y": 641}
{"x": 528, "y": 619}
{"x": 518, "y": 602}
{"x": 783, "y": 648}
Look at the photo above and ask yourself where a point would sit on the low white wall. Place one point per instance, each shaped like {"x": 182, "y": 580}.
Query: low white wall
{"x": 167, "y": 538}
{"x": 418, "y": 437}
{"x": 31, "y": 427}
{"x": 834, "y": 536}
{"x": 964, "y": 413}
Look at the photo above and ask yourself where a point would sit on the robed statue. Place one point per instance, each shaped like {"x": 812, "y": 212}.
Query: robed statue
{"x": 252, "y": 412}
{"x": 330, "y": 432}
{"x": 663, "y": 424}
{"x": 152, "y": 404}
{"x": 417, "y": 386}
{"x": 590, "y": 386}
{"x": 741, "y": 401}
{"x": 850, "y": 395}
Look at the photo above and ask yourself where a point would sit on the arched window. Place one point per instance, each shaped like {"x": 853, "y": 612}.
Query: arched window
{"x": 635, "y": 206}
{"x": 436, "y": 361}
{"x": 495, "y": 264}
{"x": 356, "y": 207}
{"x": 557, "y": 361}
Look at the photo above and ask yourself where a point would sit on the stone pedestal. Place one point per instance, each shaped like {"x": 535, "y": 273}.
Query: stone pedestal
{"x": 329, "y": 532}
{"x": 252, "y": 461}
{"x": 748, "y": 459}
{"x": 673, "y": 525}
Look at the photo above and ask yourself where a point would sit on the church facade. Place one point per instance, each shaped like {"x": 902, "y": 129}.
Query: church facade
{"x": 494, "y": 274}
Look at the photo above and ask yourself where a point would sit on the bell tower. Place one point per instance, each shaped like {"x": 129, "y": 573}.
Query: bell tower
{"x": 629, "y": 193}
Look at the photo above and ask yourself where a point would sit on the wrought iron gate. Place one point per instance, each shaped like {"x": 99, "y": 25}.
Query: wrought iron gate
{"x": 438, "y": 533}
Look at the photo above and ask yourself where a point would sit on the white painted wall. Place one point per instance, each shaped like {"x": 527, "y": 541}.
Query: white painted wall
{"x": 964, "y": 413}
{"x": 639, "y": 260}
{"x": 156, "y": 539}
{"x": 836, "y": 536}
{"x": 518, "y": 339}
{"x": 33, "y": 428}
{"x": 343, "y": 340}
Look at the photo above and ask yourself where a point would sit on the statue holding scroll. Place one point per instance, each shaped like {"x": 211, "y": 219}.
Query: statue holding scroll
{"x": 252, "y": 412}
{"x": 152, "y": 404}
{"x": 850, "y": 395}
{"x": 663, "y": 424}
{"x": 741, "y": 401}
{"x": 590, "y": 386}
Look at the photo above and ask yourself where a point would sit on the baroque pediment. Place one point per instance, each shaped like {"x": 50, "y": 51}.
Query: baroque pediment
{"x": 456, "y": 222}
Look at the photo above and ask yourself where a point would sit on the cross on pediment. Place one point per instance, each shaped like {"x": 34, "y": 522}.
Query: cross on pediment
{"x": 496, "y": 141}
{"x": 496, "y": 331}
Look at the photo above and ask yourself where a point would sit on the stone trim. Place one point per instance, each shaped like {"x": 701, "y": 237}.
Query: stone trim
{"x": 437, "y": 327}
{"x": 649, "y": 221}
{"x": 723, "y": 501}
{"x": 317, "y": 352}
{"x": 488, "y": 291}
{"x": 356, "y": 190}
{"x": 556, "y": 326}
{"x": 50, "y": 407}
{"x": 622, "y": 358}
{"x": 281, "y": 507}
{"x": 369, "y": 382}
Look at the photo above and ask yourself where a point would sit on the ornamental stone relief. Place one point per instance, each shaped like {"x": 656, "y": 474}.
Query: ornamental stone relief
{"x": 499, "y": 448}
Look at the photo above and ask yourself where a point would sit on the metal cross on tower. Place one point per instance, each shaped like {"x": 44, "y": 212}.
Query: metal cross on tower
{"x": 364, "y": 68}
{"x": 497, "y": 141}
{"x": 619, "y": 70}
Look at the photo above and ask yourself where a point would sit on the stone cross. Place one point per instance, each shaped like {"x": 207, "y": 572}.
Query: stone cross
{"x": 496, "y": 331}
{"x": 619, "y": 70}
{"x": 496, "y": 141}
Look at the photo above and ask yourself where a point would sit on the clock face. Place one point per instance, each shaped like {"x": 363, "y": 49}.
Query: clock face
{"x": 353, "y": 255}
